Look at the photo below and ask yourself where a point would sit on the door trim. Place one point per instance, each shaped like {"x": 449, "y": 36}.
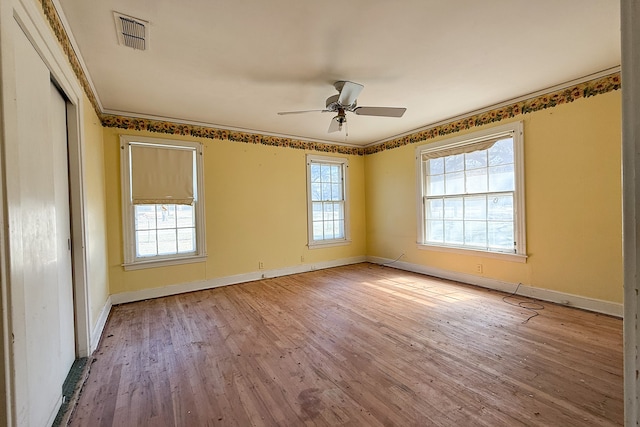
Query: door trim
{"x": 31, "y": 19}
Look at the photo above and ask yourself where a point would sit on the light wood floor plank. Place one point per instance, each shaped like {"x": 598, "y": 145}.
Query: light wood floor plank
{"x": 357, "y": 345}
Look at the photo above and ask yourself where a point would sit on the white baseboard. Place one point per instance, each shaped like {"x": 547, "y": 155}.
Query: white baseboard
{"x": 125, "y": 297}
{"x": 96, "y": 332}
{"x": 591, "y": 304}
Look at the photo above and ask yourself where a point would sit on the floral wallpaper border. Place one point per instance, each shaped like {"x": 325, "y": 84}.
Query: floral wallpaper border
{"x": 583, "y": 90}
{"x": 58, "y": 30}
{"x": 129, "y": 123}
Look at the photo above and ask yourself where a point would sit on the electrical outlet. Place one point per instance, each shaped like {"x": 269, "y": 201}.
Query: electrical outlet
{"x": 301, "y": 258}
{"x": 260, "y": 265}
{"x": 478, "y": 268}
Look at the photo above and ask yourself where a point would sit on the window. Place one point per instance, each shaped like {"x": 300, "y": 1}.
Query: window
{"x": 472, "y": 192}
{"x": 162, "y": 202}
{"x": 327, "y": 200}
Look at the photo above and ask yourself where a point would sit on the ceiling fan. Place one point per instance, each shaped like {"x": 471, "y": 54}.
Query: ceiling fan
{"x": 346, "y": 101}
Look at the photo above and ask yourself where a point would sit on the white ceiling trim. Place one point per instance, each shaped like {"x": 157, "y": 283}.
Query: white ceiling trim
{"x": 76, "y": 49}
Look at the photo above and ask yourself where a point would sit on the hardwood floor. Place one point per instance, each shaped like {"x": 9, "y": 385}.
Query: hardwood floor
{"x": 357, "y": 345}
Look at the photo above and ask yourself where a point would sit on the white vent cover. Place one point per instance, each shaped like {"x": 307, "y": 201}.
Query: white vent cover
{"x": 132, "y": 32}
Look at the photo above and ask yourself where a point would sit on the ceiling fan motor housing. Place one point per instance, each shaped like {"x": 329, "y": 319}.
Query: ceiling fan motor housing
{"x": 334, "y": 105}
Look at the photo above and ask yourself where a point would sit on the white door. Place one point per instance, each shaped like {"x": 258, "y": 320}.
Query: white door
{"x": 58, "y": 120}
{"x": 38, "y": 213}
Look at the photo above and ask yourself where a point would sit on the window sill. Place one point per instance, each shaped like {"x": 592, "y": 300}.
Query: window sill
{"x": 495, "y": 255}
{"x": 319, "y": 245}
{"x": 164, "y": 262}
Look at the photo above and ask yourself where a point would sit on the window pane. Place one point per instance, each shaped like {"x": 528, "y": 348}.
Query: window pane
{"x": 315, "y": 172}
{"x": 476, "y": 181}
{"x": 145, "y": 217}
{"x": 475, "y": 233}
{"x": 435, "y": 185}
{"x": 186, "y": 240}
{"x": 146, "y": 244}
{"x": 475, "y": 208}
{"x": 328, "y": 230}
{"x": 435, "y": 209}
{"x": 454, "y": 163}
{"x": 325, "y": 173}
{"x": 435, "y": 231}
{"x": 475, "y": 160}
{"x": 435, "y": 166}
{"x": 326, "y": 191}
{"x": 167, "y": 242}
{"x": 327, "y": 211}
{"x": 331, "y": 213}
{"x": 501, "y": 153}
{"x": 335, "y": 173}
{"x": 338, "y": 209}
{"x": 317, "y": 211}
{"x": 166, "y": 216}
{"x": 453, "y": 232}
{"x": 318, "y": 233}
{"x": 454, "y": 183}
{"x": 500, "y": 235}
{"x": 453, "y": 208}
{"x": 316, "y": 191}
{"x": 185, "y": 216}
{"x": 501, "y": 178}
{"x": 501, "y": 207}
{"x": 336, "y": 192}
{"x": 338, "y": 228}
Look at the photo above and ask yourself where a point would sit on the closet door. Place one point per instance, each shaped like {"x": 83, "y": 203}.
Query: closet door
{"x": 40, "y": 266}
{"x": 58, "y": 127}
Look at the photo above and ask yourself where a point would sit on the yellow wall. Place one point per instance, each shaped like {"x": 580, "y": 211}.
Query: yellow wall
{"x": 255, "y": 208}
{"x": 96, "y": 227}
{"x": 572, "y": 195}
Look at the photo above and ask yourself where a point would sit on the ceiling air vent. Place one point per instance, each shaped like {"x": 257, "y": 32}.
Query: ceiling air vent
{"x": 132, "y": 32}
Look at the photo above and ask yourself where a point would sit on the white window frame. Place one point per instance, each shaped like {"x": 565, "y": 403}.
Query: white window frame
{"x": 131, "y": 262}
{"x": 514, "y": 129}
{"x": 344, "y": 162}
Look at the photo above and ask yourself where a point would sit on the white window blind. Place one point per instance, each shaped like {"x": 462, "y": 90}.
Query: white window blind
{"x": 161, "y": 175}
{"x": 461, "y": 149}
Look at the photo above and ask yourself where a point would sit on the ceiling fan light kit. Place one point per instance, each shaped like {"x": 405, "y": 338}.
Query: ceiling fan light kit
{"x": 346, "y": 101}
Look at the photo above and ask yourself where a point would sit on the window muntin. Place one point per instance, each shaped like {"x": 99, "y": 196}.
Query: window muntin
{"x": 164, "y": 232}
{"x": 327, "y": 201}
{"x": 472, "y": 193}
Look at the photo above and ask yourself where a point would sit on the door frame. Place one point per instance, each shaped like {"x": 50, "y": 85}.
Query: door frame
{"x": 30, "y": 18}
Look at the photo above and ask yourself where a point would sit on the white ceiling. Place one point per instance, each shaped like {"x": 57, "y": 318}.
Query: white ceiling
{"x": 236, "y": 63}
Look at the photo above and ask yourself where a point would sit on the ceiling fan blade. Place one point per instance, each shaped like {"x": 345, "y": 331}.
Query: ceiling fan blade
{"x": 334, "y": 126}
{"x": 283, "y": 113}
{"x": 380, "y": 111}
{"x": 349, "y": 92}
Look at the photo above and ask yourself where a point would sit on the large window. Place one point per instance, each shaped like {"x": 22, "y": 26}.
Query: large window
{"x": 472, "y": 192}
{"x": 163, "y": 219}
{"x": 327, "y": 200}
